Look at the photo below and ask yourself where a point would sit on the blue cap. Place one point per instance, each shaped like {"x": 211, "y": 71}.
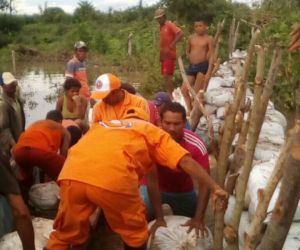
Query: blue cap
{"x": 162, "y": 98}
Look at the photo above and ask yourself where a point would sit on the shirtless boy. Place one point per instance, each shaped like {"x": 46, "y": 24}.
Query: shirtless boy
{"x": 199, "y": 51}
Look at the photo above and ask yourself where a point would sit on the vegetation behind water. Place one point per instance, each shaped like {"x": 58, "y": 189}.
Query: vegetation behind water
{"x": 50, "y": 35}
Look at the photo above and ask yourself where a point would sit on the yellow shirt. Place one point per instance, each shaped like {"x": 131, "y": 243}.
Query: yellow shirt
{"x": 103, "y": 111}
{"x": 115, "y": 156}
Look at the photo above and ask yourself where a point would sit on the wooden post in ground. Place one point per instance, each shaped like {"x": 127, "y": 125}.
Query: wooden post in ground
{"x": 254, "y": 232}
{"x": 261, "y": 98}
{"x": 13, "y": 58}
{"x": 227, "y": 139}
{"x": 287, "y": 201}
{"x": 129, "y": 48}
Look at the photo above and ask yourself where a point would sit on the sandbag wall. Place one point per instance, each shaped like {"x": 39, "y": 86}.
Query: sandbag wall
{"x": 219, "y": 93}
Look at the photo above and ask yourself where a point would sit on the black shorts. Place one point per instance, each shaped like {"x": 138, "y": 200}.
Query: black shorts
{"x": 194, "y": 69}
{"x": 8, "y": 183}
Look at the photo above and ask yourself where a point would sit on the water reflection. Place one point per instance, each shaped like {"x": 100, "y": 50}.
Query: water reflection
{"x": 40, "y": 90}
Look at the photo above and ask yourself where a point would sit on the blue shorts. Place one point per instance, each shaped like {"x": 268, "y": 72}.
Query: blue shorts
{"x": 194, "y": 69}
{"x": 184, "y": 204}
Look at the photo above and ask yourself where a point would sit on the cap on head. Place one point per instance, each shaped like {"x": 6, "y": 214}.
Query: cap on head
{"x": 104, "y": 85}
{"x": 159, "y": 13}
{"x": 7, "y": 78}
{"x": 80, "y": 44}
{"x": 136, "y": 112}
{"x": 162, "y": 98}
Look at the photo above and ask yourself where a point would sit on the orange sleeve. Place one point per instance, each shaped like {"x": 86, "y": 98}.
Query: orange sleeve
{"x": 163, "y": 148}
{"x": 144, "y": 105}
{"x": 97, "y": 113}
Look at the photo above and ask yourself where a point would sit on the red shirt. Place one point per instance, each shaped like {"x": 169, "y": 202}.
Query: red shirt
{"x": 168, "y": 33}
{"x": 178, "y": 181}
{"x": 153, "y": 112}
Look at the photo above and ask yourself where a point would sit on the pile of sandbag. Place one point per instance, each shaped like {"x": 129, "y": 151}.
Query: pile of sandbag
{"x": 42, "y": 229}
{"x": 175, "y": 236}
{"x": 219, "y": 94}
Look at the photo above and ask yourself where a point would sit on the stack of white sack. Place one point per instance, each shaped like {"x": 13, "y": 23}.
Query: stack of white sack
{"x": 44, "y": 196}
{"x": 219, "y": 94}
{"x": 42, "y": 229}
{"x": 258, "y": 179}
{"x": 293, "y": 238}
{"x": 175, "y": 236}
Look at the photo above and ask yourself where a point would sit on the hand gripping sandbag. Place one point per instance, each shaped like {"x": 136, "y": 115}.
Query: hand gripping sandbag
{"x": 175, "y": 236}
{"x": 44, "y": 196}
{"x": 42, "y": 229}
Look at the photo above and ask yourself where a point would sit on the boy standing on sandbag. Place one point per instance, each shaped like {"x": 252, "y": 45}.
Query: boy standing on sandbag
{"x": 199, "y": 51}
{"x": 104, "y": 170}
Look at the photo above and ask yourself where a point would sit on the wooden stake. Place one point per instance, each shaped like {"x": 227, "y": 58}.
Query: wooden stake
{"x": 258, "y": 114}
{"x": 227, "y": 139}
{"x": 287, "y": 201}
{"x": 253, "y": 234}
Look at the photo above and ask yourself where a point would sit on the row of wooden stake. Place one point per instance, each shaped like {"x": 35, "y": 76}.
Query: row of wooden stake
{"x": 235, "y": 174}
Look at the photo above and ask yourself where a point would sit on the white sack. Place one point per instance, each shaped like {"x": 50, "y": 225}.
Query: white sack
{"x": 210, "y": 109}
{"x": 44, "y": 195}
{"x": 293, "y": 238}
{"x": 175, "y": 236}
{"x": 258, "y": 179}
{"x": 42, "y": 229}
{"x": 272, "y": 132}
{"x": 219, "y": 97}
{"x": 266, "y": 151}
{"x": 214, "y": 83}
{"x": 221, "y": 113}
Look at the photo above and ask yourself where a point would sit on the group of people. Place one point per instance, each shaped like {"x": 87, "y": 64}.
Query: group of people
{"x": 134, "y": 156}
{"x": 199, "y": 52}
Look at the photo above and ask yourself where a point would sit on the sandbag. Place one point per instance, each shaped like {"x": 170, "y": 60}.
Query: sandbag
{"x": 221, "y": 113}
{"x": 258, "y": 179}
{"x": 272, "y": 132}
{"x": 292, "y": 240}
{"x": 42, "y": 229}
{"x": 238, "y": 54}
{"x": 210, "y": 109}
{"x": 44, "y": 196}
{"x": 228, "y": 82}
{"x": 275, "y": 116}
{"x": 265, "y": 151}
{"x": 219, "y": 97}
{"x": 175, "y": 236}
{"x": 214, "y": 83}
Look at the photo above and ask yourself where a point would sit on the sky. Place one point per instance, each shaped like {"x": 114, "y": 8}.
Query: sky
{"x": 31, "y": 6}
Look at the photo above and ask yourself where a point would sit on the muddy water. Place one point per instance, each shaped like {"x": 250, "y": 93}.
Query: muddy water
{"x": 42, "y": 83}
{"x": 40, "y": 86}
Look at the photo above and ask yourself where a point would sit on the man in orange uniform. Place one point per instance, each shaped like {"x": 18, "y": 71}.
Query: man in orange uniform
{"x": 170, "y": 35}
{"x": 115, "y": 100}
{"x": 104, "y": 170}
{"x": 39, "y": 145}
{"x": 76, "y": 68}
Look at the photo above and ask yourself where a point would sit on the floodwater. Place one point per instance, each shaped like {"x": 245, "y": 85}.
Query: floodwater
{"x": 40, "y": 86}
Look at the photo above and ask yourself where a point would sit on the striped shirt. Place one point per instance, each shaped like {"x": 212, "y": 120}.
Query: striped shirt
{"x": 77, "y": 69}
{"x": 178, "y": 181}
